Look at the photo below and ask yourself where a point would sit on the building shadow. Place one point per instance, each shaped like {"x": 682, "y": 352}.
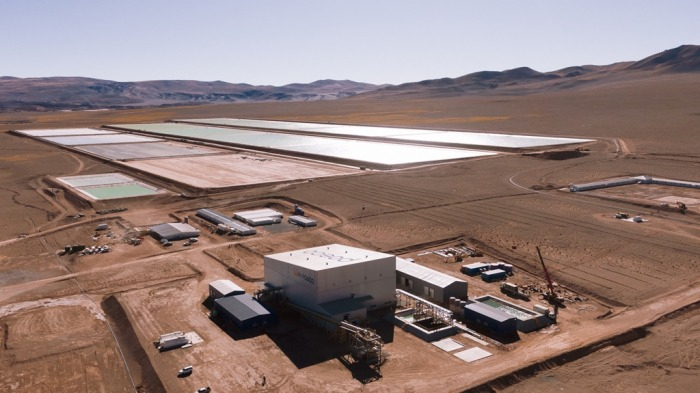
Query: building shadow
{"x": 361, "y": 371}
{"x": 305, "y": 344}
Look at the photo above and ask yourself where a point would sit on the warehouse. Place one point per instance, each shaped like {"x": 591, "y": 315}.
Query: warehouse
{"x": 243, "y": 311}
{"x": 219, "y": 219}
{"x": 174, "y": 231}
{"x": 337, "y": 281}
{"x": 491, "y": 318}
{"x": 224, "y": 288}
{"x": 302, "y": 221}
{"x": 428, "y": 283}
{"x": 259, "y": 217}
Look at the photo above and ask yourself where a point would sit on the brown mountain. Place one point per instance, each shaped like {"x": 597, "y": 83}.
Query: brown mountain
{"x": 70, "y": 93}
{"x": 522, "y": 81}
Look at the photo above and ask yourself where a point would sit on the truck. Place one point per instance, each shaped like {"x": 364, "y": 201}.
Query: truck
{"x": 514, "y": 290}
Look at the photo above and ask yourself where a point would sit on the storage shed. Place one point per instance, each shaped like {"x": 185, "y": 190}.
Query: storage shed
{"x": 302, "y": 221}
{"x": 493, "y": 275}
{"x": 219, "y": 219}
{"x": 259, "y": 217}
{"x": 244, "y": 311}
{"x": 223, "y": 288}
{"x": 174, "y": 231}
{"x": 474, "y": 268}
{"x": 428, "y": 283}
{"x": 493, "y": 319}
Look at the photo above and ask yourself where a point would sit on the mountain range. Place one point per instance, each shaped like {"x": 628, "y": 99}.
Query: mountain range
{"x": 77, "y": 93}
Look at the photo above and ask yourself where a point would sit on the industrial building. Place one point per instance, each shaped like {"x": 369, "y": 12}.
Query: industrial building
{"x": 171, "y": 340}
{"x": 224, "y": 288}
{"x": 526, "y": 320}
{"x": 491, "y": 318}
{"x": 337, "y": 281}
{"x": 259, "y": 217}
{"x": 474, "y": 268}
{"x": 219, "y": 219}
{"x": 428, "y": 283}
{"x": 243, "y": 311}
{"x": 174, "y": 231}
{"x": 302, "y": 221}
{"x": 622, "y": 181}
{"x": 493, "y": 275}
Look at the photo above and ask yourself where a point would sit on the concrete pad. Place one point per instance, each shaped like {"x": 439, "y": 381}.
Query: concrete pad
{"x": 448, "y": 345}
{"x": 472, "y": 354}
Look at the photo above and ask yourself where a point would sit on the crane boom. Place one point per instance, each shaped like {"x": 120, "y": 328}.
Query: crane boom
{"x": 546, "y": 274}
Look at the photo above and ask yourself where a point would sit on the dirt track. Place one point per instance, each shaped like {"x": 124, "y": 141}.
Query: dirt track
{"x": 505, "y": 205}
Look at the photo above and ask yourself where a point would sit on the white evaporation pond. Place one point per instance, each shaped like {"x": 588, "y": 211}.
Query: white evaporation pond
{"x": 65, "y": 132}
{"x": 485, "y": 139}
{"x": 408, "y": 134}
{"x": 99, "y": 139}
{"x": 389, "y": 154}
{"x": 386, "y": 154}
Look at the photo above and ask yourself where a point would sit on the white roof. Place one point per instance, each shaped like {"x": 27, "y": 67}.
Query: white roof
{"x": 328, "y": 257}
{"x": 225, "y": 287}
{"x": 425, "y": 273}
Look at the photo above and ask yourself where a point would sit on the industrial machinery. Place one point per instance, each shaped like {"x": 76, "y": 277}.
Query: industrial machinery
{"x": 514, "y": 290}
{"x": 550, "y": 295}
{"x": 366, "y": 344}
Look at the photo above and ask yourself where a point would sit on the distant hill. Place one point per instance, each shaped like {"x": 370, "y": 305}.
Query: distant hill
{"x": 62, "y": 93}
{"x": 75, "y": 93}
{"x": 521, "y": 81}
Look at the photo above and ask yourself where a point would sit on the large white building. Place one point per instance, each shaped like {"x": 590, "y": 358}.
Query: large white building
{"x": 338, "y": 281}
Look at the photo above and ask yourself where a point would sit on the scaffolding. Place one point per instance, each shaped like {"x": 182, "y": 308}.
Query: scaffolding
{"x": 366, "y": 345}
{"x": 423, "y": 309}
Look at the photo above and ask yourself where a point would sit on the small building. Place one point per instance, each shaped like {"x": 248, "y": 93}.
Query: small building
{"x": 224, "y": 222}
{"x": 428, "y": 283}
{"x": 493, "y": 275}
{"x": 174, "y": 231}
{"x": 302, "y": 221}
{"x": 491, "y": 318}
{"x": 259, "y": 217}
{"x": 474, "y": 269}
{"x": 243, "y": 311}
{"x": 223, "y": 288}
{"x": 171, "y": 340}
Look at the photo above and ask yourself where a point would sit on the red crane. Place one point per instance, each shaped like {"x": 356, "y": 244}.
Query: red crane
{"x": 549, "y": 296}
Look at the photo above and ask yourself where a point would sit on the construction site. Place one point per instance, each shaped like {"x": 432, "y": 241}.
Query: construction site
{"x": 241, "y": 254}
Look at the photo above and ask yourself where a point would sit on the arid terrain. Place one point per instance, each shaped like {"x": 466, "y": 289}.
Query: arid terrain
{"x": 87, "y": 323}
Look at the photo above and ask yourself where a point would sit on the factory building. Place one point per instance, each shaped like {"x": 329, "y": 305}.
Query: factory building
{"x": 219, "y": 219}
{"x": 259, "y": 217}
{"x": 223, "y": 288}
{"x": 428, "y": 283}
{"x": 243, "y": 311}
{"x": 490, "y": 318}
{"x": 302, "y": 221}
{"x": 174, "y": 231}
{"x": 337, "y": 281}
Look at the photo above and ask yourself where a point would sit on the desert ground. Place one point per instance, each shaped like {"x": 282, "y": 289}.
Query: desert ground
{"x": 87, "y": 323}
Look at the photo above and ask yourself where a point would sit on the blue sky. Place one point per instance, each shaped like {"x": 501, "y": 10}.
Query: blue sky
{"x": 276, "y": 42}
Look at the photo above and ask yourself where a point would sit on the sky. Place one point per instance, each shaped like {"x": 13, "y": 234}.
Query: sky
{"x": 277, "y": 42}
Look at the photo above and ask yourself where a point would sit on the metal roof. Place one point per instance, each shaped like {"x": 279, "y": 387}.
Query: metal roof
{"x": 426, "y": 274}
{"x": 243, "y": 307}
{"x": 490, "y": 312}
{"x": 328, "y": 257}
{"x": 226, "y": 287}
{"x": 175, "y": 231}
{"x": 218, "y": 218}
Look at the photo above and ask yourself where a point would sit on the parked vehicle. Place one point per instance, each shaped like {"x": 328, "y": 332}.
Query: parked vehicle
{"x": 187, "y": 370}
